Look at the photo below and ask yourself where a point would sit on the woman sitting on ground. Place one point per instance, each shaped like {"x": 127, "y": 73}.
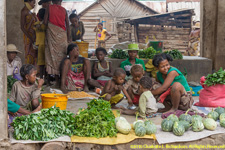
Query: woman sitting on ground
{"x": 76, "y": 71}
{"x": 173, "y": 81}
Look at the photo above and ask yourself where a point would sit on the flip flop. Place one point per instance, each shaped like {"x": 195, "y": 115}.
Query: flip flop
{"x": 151, "y": 116}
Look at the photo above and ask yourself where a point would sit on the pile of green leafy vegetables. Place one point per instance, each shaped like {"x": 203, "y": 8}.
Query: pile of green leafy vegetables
{"x": 49, "y": 124}
{"x": 119, "y": 54}
{"x": 148, "y": 53}
{"x": 215, "y": 78}
{"x": 10, "y": 82}
{"x": 95, "y": 121}
{"x": 175, "y": 54}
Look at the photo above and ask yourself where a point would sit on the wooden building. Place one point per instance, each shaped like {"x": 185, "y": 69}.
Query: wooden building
{"x": 172, "y": 28}
{"x": 109, "y": 12}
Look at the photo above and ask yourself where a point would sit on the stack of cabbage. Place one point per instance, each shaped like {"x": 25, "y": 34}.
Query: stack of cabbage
{"x": 144, "y": 127}
{"x": 179, "y": 125}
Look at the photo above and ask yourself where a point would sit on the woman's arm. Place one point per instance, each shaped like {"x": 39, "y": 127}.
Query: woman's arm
{"x": 96, "y": 72}
{"x": 169, "y": 79}
{"x": 65, "y": 70}
{"x": 22, "y": 24}
{"x": 46, "y": 15}
{"x": 67, "y": 28}
{"x": 109, "y": 36}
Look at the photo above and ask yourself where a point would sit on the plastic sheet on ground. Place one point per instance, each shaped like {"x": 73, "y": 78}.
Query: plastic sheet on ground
{"x": 168, "y": 137}
{"x": 60, "y": 139}
{"x": 120, "y": 139}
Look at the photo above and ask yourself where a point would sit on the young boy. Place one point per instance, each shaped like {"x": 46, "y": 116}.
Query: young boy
{"x": 127, "y": 64}
{"x": 112, "y": 89}
{"x": 147, "y": 103}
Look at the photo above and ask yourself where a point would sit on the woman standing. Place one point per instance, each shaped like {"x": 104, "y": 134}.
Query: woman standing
{"x": 76, "y": 28}
{"x": 57, "y": 37}
{"x": 27, "y": 23}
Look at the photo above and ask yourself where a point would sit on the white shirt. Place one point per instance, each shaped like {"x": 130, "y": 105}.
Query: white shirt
{"x": 15, "y": 63}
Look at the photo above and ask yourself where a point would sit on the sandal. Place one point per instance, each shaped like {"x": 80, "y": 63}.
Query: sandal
{"x": 151, "y": 115}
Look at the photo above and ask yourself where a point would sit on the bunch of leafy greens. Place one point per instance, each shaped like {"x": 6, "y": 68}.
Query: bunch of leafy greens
{"x": 10, "y": 82}
{"x": 49, "y": 124}
{"x": 95, "y": 121}
{"x": 175, "y": 54}
{"x": 148, "y": 53}
{"x": 215, "y": 78}
{"x": 119, "y": 54}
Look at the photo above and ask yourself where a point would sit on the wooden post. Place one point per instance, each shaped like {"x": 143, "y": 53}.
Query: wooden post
{"x": 209, "y": 10}
{"x": 3, "y": 76}
{"x": 136, "y": 32}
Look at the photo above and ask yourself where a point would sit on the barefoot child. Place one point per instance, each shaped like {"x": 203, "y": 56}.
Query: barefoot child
{"x": 132, "y": 85}
{"x": 112, "y": 89}
{"x": 132, "y": 60}
{"x": 147, "y": 104}
{"x": 174, "y": 82}
{"x": 26, "y": 92}
{"x": 102, "y": 67}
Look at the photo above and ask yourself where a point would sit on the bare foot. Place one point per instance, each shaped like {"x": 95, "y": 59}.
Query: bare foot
{"x": 171, "y": 110}
{"x": 86, "y": 89}
{"x": 162, "y": 110}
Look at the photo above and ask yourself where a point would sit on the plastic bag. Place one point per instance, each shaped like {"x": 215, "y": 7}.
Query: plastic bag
{"x": 211, "y": 96}
{"x": 16, "y": 74}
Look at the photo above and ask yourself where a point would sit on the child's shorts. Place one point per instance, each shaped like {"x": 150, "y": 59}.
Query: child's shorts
{"x": 115, "y": 99}
{"x": 136, "y": 99}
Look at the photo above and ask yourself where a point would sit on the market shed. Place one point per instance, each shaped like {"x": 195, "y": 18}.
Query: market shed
{"x": 109, "y": 12}
{"x": 172, "y": 28}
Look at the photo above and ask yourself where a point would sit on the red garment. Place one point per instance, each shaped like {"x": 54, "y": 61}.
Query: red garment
{"x": 136, "y": 99}
{"x": 57, "y": 16}
{"x": 102, "y": 82}
{"x": 164, "y": 95}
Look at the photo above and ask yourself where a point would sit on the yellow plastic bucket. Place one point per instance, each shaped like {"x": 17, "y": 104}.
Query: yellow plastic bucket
{"x": 83, "y": 48}
{"x": 50, "y": 99}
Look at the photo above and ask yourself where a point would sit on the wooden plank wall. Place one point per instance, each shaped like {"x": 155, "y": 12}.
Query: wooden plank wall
{"x": 172, "y": 37}
{"x": 213, "y": 31}
{"x": 109, "y": 11}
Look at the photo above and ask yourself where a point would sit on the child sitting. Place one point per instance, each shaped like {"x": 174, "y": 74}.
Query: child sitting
{"x": 132, "y": 85}
{"x": 25, "y": 92}
{"x": 112, "y": 89}
{"x": 102, "y": 67}
{"x": 132, "y": 60}
{"x": 147, "y": 103}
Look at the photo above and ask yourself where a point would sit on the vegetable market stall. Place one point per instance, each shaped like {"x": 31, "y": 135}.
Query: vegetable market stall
{"x": 88, "y": 143}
